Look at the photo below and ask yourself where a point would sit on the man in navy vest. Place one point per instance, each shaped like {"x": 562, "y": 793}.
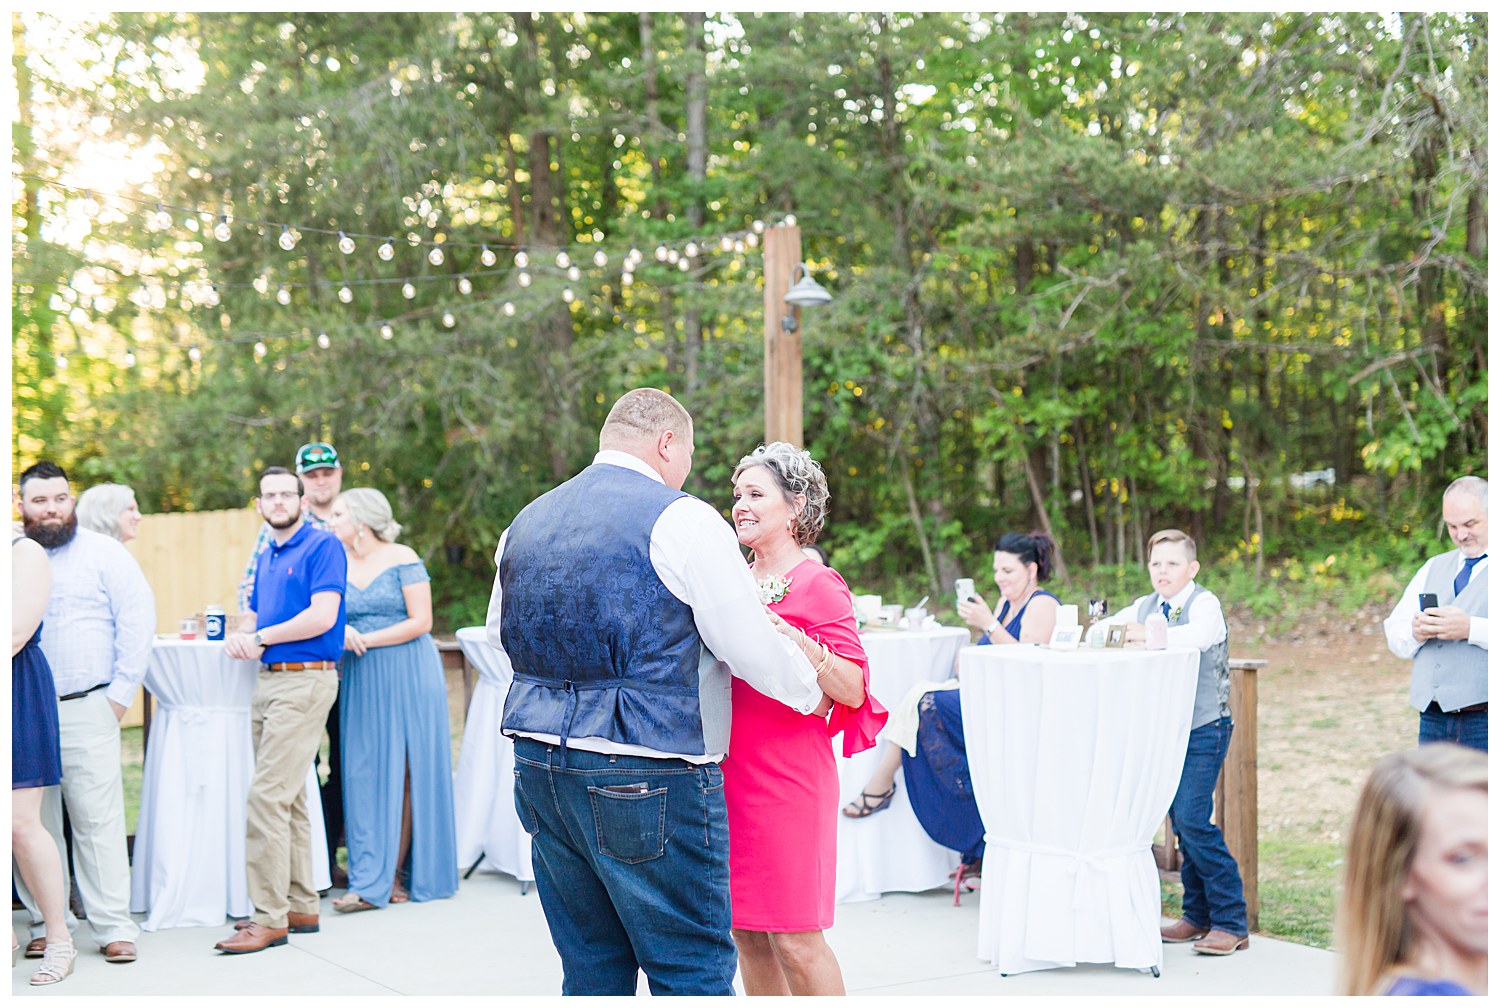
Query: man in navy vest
{"x": 1449, "y": 644}
{"x": 618, "y": 602}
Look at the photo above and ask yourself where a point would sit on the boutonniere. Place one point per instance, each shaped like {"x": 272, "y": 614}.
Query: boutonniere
{"x": 772, "y": 589}
{"x": 1176, "y": 615}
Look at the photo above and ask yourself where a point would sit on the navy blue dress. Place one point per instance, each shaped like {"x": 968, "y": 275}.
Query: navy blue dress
{"x": 35, "y": 757}
{"x": 937, "y": 777}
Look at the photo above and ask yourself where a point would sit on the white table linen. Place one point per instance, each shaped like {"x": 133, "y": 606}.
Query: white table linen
{"x": 188, "y": 868}
{"x": 483, "y": 804}
{"x": 1075, "y": 757}
{"x": 889, "y": 851}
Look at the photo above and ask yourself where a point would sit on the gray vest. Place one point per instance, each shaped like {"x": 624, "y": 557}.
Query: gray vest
{"x": 1212, "y": 699}
{"x": 1454, "y": 673}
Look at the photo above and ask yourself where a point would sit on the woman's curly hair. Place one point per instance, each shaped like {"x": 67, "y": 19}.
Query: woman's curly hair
{"x": 796, "y": 473}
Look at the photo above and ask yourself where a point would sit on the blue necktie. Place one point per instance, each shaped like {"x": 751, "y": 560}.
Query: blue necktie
{"x": 1462, "y": 581}
{"x": 1166, "y": 610}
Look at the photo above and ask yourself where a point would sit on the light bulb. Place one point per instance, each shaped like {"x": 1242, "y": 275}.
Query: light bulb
{"x": 568, "y": 295}
{"x": 563, "y": 260}
{"x": 790, "y": 220}
{"x": 408, "y": 291}
{"x": 260, "y": 350}
{"x": 524, "y": 279}
{"x": 386, "y": 332}
{"x": 324, "y": 341}
{"x": 387, "y": 251}
{"x": 195, "y": 354}
{"x": 288, "y": 239}
{"x": 726, "y": 243}
{"x": 61, "y": 362}
{"x": 683, "y": 264}
{"x": 661, "y": 253}
{"x": 759, "y": 226}
{"x": 635, "y": 255}
{"x": 213, "y": 295}
{"x": 626, "y": 279}
{"x": 345, "y": 294}
{"x": 752, "y": 239}
{"x": 222, "y": 231}
{"x": 261, "y": 284}
{"x": 486, "y": 256}
{"x": 600, "y": 259}
{"x": 448, "y": 319}
{"x": 672, "y": 255}
{"x": 129, "y": 359}
{"x": 691, "y": 249}
{"x": 522, "y": 260}
{"x": 436, "y": 255}
{"x": 464, "y": 286}
{"x": 508, "y": 308}
{"x": 346, "y": 244}
{"x": 739, "y": 246}
{"x": 573, "y": 273}
{"x": 283, "y": 296}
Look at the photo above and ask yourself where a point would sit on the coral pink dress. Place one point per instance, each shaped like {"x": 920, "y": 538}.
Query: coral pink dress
{"x": 780, "y": 782}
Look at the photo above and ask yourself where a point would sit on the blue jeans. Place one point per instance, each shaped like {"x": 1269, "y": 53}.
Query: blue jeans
{"x": 1467, "y": 728}
{"x": 1212, "y": 893}
{"x": 631, "y": 856}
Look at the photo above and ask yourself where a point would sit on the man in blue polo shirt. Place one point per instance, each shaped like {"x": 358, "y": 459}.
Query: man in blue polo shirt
{"x": 298, "y": 607}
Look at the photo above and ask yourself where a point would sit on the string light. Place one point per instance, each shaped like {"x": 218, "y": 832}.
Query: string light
{"x": 261, "y": 284}
{"x": 673, "y": 255}
{"x": 408, "y": 291}
{"x": 600, "y": 259}
{"x": 324, "y": 341}
{"x": 626, "y": 279}
{"x": 486, "y": 256}
{"x": 758, "y": 226}
{"x": 524, "y": 279}
{"x": 790, "y": 220}
{"x": 436, "y": 255}
{"x": 661, "y": 253}
{"x": 464, "y": 286}
{"x": 213, "y": 295}
{"x": 726, "y": 243}
{"x": 386, "y": 251}
{"x": 345, "y": 294}
{"x": 222, "y": 231}
{"x": 386, "y": 332}
{"x": 508, "y": 308}
{"x": 288, "y": 239}
{"x": 346, "y": 244}
{"x": 129, "y": 359}
{"x": 61, "y": 361}
{"x": 573, "y": 273}
{"x": 260, "y": 350}
{"x": 283, "y": 295}
{"x": 448, "y": 319}
{"x": 522, "y": 260}
{"x": 691, "y": 248}
{"x": 563, "y": 260}
{"x": 195, "y": 354}
{"x": 683, "y": 264}
{"x": 567, "y": 295}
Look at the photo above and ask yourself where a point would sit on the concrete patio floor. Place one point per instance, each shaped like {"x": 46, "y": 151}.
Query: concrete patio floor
{"x": 491, "y": 939}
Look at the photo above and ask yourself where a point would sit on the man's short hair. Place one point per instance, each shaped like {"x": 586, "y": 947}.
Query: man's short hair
{"x": 642, "y": 414}
{"x": 280, "y": 471}
{"x": 41, "y": 470}
{"x": 1173, "y": 536}
{"x": 1474, "y": 486}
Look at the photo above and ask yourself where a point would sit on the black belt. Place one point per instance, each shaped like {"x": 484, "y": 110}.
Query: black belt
{"x": 1434, "y": 708}
{"x": 83, "y": 693}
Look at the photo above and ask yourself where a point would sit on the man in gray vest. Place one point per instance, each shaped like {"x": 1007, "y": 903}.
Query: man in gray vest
{"x": 1449, "y": 642}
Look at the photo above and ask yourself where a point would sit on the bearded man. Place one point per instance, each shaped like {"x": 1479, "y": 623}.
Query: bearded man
{"x": 96, "y": 635}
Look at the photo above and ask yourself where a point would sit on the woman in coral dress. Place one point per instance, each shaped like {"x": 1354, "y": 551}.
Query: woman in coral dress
{"x": 780, "y": 782}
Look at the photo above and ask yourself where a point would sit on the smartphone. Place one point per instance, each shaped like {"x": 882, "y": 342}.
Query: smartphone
{"x": 1426, "y": 601}
{"x": 964, "y": 588}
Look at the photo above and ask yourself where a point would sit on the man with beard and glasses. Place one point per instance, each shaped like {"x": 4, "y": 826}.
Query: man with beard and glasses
{"x": 317, "y": 463}
{"x": 96, "y": 634}
{"x": 297, "y": 606}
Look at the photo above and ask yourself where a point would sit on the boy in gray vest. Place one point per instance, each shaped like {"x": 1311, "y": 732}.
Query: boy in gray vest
{"x": 1449, "y": 642}
{"x": 1213, "y": 897}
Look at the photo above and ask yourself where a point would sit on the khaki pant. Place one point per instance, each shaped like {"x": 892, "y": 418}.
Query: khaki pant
{"x": 286, "y": 724}
{"x": 93, "y": 790}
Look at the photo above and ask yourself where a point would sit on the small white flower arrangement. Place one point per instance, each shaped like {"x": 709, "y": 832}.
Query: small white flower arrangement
{"x": 773, "y": 589}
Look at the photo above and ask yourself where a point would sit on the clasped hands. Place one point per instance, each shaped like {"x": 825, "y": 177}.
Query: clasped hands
{"x": 798, "y": 637}
{"x": 1447, "y": 622}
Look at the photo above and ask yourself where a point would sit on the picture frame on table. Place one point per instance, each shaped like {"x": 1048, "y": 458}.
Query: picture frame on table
{"x": 1115, "y": 636}
{"x": 1065, "y": 638}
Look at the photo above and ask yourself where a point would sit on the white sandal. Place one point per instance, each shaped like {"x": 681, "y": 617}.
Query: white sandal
{"x": 57, "y": 963}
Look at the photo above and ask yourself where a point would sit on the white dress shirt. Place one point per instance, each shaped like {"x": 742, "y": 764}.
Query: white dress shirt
{"x": 1398, "y": 635}
{"x": 697, "y": 556}
{"x": 1205, "y": 630}
{"x": 99, "y": 618}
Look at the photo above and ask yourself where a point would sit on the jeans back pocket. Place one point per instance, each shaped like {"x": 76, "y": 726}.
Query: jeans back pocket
{"x": 630, "y": 824}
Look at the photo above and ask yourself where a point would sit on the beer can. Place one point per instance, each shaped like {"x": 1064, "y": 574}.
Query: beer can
{"x": 213, "y": 622}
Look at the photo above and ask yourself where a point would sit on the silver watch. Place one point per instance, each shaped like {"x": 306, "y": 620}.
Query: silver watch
{"x": 260, "y": 641}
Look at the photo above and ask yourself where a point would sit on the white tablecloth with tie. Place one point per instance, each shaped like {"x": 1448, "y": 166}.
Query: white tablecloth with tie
{"x": 483, "y": 804}
{"x": 889, "y": 851}
{"x": 1075, "y": 757}
{"x": 188, "y": 868}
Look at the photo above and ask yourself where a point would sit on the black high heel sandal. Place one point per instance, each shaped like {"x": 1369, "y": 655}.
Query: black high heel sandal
{"x": 862, "y": 805}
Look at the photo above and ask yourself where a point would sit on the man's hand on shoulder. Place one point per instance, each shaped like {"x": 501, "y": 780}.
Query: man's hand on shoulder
{"x": 1447, "y": 622}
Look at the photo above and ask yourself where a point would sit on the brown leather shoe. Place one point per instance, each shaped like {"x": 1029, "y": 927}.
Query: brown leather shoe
{"x": 296, "y": 923}
{"x": 1183, "y": 931}
{"x": 36, "y": 948}
{"x": 1221, "y": 943}
{"x": 252, "y": 939}
{"x": 121, "y": 951}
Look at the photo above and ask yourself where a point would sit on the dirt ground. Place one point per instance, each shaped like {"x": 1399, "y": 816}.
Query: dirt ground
{"x": 1332, "y": 700}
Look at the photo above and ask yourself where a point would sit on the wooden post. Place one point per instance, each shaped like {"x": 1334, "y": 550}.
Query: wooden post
{"x": 783, "y": 251}
{"x": 1237, "y": 797}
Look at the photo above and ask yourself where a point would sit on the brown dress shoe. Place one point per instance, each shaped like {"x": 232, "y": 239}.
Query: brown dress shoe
{"x": 1221, "y": 943}
{"x": 36, "y": 948}
{"x": 252, "y": 939}
{"x": 121, "y": 951}
{"x": 1183, "y": 931}
{"x": 296, "y": 923}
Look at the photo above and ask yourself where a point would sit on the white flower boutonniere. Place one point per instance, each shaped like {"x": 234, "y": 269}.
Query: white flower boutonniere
{"x": 772, "y": 589}
{"x": 1176, "y": 615}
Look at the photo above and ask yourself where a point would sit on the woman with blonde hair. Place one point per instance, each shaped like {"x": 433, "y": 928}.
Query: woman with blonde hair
{"x": 393, "y": 718}
{"x": 110, "y": 509}
{"x": 1414, "y": 912}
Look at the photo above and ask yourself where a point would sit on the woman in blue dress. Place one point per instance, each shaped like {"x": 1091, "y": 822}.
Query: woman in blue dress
{"x": 393, "y": 718}
{"x": 925, "y": 735}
